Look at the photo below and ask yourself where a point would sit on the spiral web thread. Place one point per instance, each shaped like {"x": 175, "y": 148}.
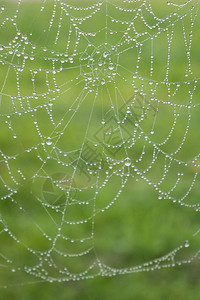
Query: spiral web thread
{"x": 106, "y": 69}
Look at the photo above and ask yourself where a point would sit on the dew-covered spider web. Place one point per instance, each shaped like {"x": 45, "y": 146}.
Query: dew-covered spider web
{"x": 99, "y": 138}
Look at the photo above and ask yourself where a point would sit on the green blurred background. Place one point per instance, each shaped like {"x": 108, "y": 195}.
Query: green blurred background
{"x": 139, "y": 227}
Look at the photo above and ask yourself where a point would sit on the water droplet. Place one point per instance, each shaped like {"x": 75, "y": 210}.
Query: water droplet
{"x": 186, "y": 74}
{"x": 152, "y": 131}
{"x": 71, "y": 59}
{"x": 186, "y": 244}
{"x": 105, "y": 54}
{"x": 103, "y": 81}
{"x": 14, "y": 136}
{"x": 111, "y": 67}
{"x": 134, "y": 76}
{"x": 127, "y": 161}
{"x": 150, "y": 82}
{"x": 103, "y": 122}
{"x": 1, "y": 47}
{"x": 32, "y": 57}
{"x": 49, "y": 141}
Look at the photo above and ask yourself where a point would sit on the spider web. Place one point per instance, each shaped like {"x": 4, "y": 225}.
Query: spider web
{"x": 98, "y": 104}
